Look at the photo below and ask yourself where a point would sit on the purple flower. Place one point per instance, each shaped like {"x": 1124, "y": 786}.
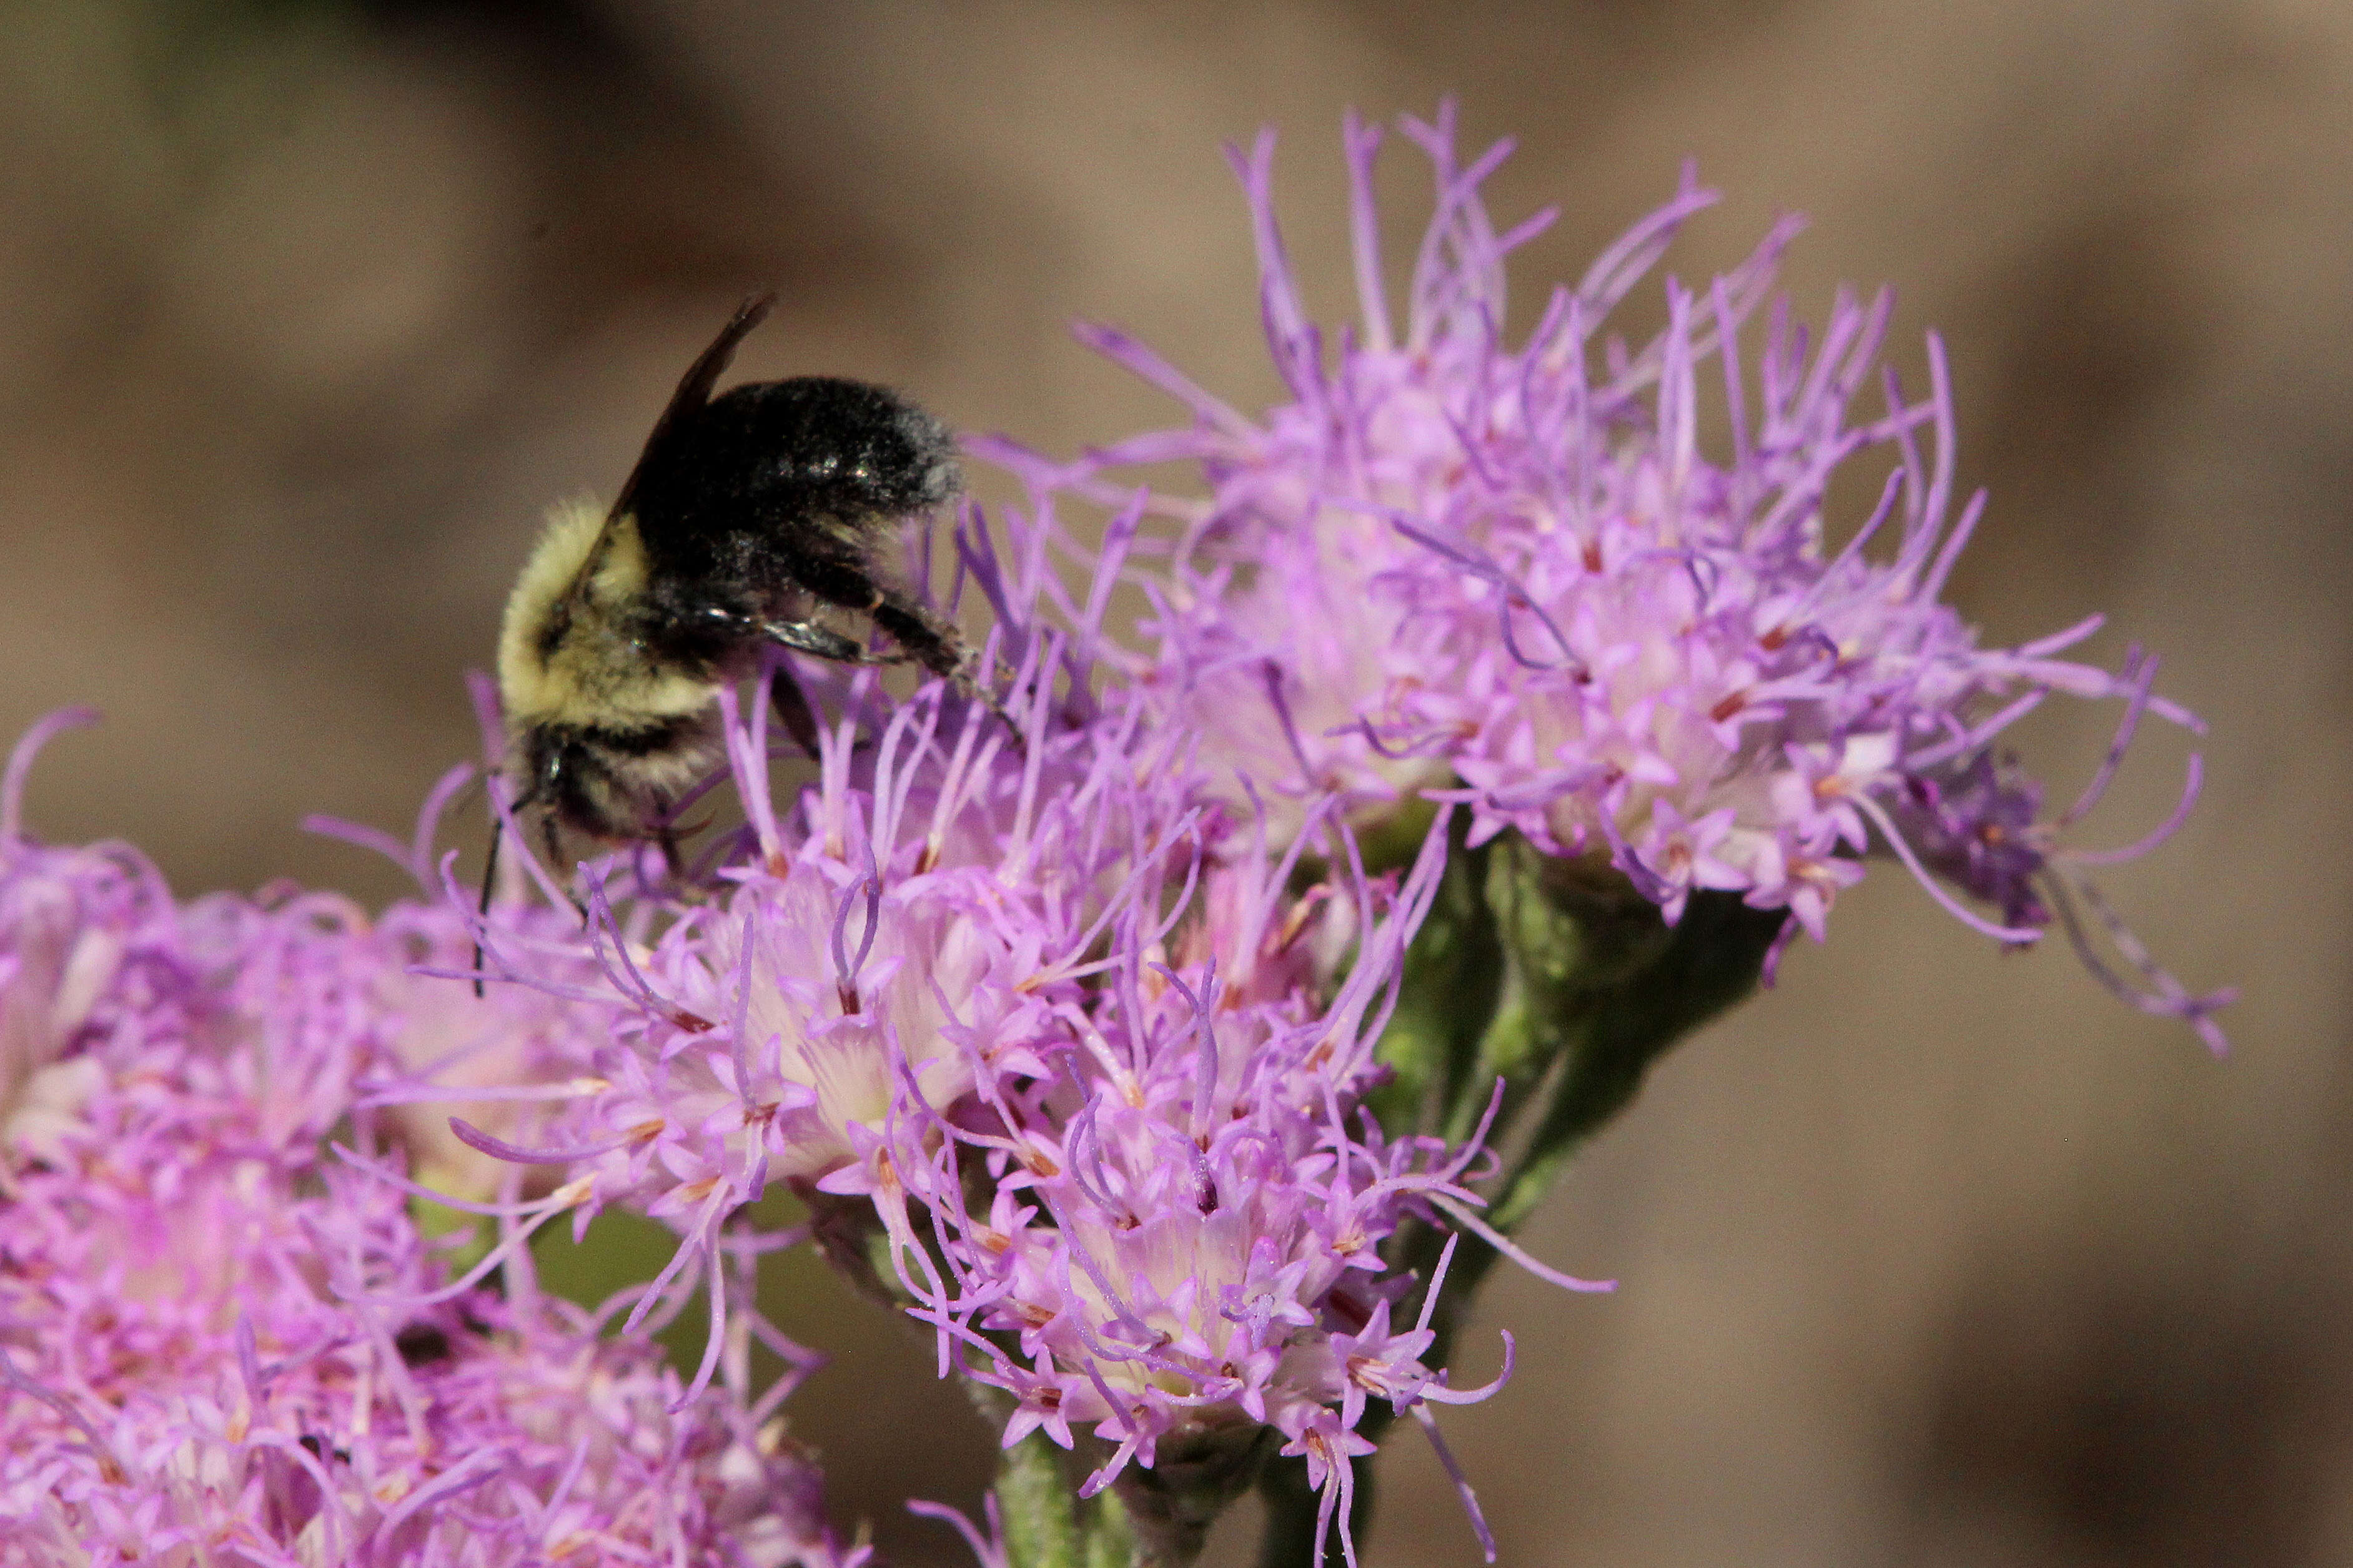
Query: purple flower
{"x": 217, "y": 1339}
{"x": 1058, "y": 1023}
{"x": 73, "y": 920}
{"x": 1183, "y": 1236}
{"x": 896, "y": 944}
{"x": 508, "y": 1059}
{"x": 989, "y": 1547}
{"x": 1511, "y": 575}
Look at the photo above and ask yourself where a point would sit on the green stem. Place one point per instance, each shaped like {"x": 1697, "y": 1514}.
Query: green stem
{"x": 1047, "y": 1523}
{"x": 1611, "y": 1035}
{"x": 1568, "y": 933}
{"x": 1588, "y": 988}
{"x": 1712, "y": 961}
{"x": 1193, "y": 1479}
{"x": 1446, "y": 997}
{"x": 1109, "y": 1533}
{"x": 1042, "y": 1525}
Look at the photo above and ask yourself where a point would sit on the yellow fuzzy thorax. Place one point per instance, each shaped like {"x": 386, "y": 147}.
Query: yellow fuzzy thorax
{"x": 591, "y": 573}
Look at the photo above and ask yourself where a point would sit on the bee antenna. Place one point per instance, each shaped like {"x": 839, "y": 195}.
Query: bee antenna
{"x": 489, "y": 880}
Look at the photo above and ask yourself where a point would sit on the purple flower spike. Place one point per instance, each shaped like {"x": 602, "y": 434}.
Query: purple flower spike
{"x": 1510, "y": 575}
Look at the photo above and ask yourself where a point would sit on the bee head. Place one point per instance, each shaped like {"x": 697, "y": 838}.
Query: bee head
{"x": 611, "y": 782}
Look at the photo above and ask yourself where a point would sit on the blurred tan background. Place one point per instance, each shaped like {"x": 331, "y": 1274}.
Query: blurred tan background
{"x": 1930, "y": 1258}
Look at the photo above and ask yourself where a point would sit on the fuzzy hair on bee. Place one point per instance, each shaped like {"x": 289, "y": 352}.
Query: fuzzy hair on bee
{"x": 747, "y": 514}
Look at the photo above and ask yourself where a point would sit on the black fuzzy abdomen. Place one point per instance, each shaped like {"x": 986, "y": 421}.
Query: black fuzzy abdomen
{"x": 776, "y": 475}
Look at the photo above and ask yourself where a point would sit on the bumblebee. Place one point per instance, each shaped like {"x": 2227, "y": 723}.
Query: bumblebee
{"x": 747, "y": 514}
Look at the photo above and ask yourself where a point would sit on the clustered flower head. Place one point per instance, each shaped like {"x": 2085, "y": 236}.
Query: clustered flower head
{"x": 1512, "y": 575}
{"x": 1012, "y": 984}
{"x": 1187, "y": 1212}
{"x": 220, "y": 1341}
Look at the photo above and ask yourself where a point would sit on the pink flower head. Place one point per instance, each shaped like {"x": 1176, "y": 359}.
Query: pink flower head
{"x": 1184, "y": 1237}
{"x": 218, "y": 1339}
{"x": 506, "y": 1059}
{"x": 270, "y": 1395}
{"x": 73, "y": 924}
{"x": 1032, "y": 997}
{"x": 876, "y": 953}
{"x": 1512, "y": 575}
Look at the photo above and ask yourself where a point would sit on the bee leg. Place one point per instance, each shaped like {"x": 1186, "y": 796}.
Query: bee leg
{"x": 818, "y": 642}
{"x": 931, "y": 642}
{"x": 674, "y": 862}
{"x": 489, "y": 880}
{"x": 792, "y": 706}
{"x": 551, "y": 838}
{"x": 928, "y": 638}
{"x": 821, "y": 642}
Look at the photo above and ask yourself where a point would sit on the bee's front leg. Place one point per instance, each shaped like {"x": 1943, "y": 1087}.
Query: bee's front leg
{"x": 823, "y": 642}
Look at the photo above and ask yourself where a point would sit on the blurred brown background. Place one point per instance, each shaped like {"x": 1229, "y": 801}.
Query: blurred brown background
{"x": 1930, "y": 1258}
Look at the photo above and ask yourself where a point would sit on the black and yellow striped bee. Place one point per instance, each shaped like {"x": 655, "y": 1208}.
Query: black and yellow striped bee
{"x": 749, "y": 514}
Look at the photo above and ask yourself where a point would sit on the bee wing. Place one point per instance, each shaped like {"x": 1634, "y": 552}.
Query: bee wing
{"x": 694, "y": 388}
